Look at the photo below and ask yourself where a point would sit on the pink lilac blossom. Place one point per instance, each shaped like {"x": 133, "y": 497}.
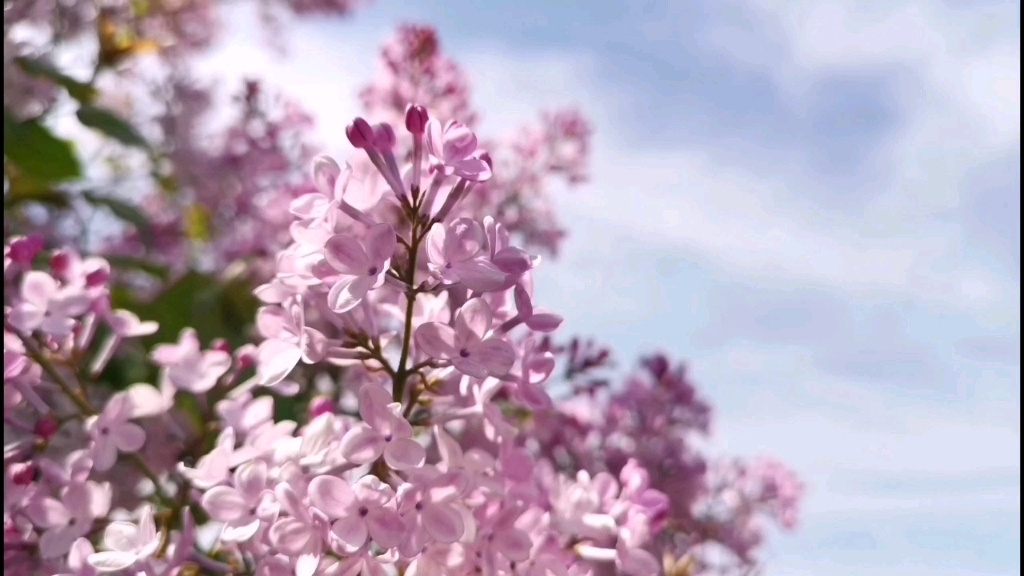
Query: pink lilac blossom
{"x": 439, "y": 441}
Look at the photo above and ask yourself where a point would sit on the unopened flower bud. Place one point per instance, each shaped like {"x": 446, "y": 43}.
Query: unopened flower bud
{"x": 383, "y": 137}
{"x": 416, "y": 119}
{"x": 320, "y": 405}
{"x": 23, "y": 473}
{"x": 24, "y": 249}
{"x": 46, "y": 427}
{"x": 60, "y": 262}
{"x": 221, "y": 345}
{"x": 360, "y": 134}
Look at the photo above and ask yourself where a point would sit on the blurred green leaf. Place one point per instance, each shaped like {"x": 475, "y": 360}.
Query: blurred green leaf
{"x": 39, "y": 68}
{"x": 125, "y": 212}
{"x": 214, "y": 309}
{"x": 197, "y": 223}
{"x": 37, "y": 153}
{"x": 24, "y": 189}
{"x": 112, "y": 125}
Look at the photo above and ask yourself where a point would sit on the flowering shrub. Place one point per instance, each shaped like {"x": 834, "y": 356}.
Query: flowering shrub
{"x": 288, "y": 364}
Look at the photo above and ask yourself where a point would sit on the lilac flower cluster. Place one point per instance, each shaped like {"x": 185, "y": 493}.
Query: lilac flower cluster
{"x": 397, "y": 313}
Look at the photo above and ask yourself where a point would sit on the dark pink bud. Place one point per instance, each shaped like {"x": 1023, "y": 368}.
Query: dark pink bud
{"x": 24, "y": 249}
{"x": 246, "y": 359}
{"x": 60, "y": 262}
{"x": 320, "y": 405}
{"x": 46, "y": 427}
{"x": 221, "y": 345}
{"x": 416, "y": 119}
{"x": 23, "y": 473}
{"x": 383, "y": 136}
{"x": 97, "y": 277}
{"x": 486, "y": 157}
{"x": 360, "y": 134}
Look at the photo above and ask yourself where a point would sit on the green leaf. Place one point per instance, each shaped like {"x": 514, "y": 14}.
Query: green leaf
{"x": 24, "y": 189}
{"x": 124, "y": 211}
{"x": 37, "y": 153}
{"x": 112, "y": 125}
{"x": 214, "y": 309}
{"x": 39, "y": 68}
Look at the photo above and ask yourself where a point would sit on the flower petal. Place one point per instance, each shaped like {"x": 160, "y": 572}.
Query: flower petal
{"x": 436, "y": 340}
{"x": 473, "y": 318}
{"x": 404, "y": 453}
{"x": 479, "y": 274}
{"x": 351, "y": 531}
{"x": 225, "y": 503}
{"x": 386, "y": 527}
{"x": 111, "y": 561}
{"x": 290, "y": 536}
{"x": 495, "y": 354}
{"x": 332, "y": 495}
{"x": 380, "y": 243}
{"x": 442, "y": 523}
{"x": 346, "y": 255}
{"x": 129, "y": 437}
{"x": 275, "y": 359}
{"x": 361, "y": 445}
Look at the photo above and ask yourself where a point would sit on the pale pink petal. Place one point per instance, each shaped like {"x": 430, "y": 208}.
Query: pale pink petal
{"x": 442, "y": 523}
{"x": 38, "y": 288}
{"x": 251, "y": 478}
{"x": 436, "y": 243}
{"x": 348, "y": 292}
{"x": 433, "y": 138}
{"x": 404, "y": 453}
{"x": 289, "y": 536}
{"x": 121, "y": 536}
{"x": 225, "y": 503}
{"x": 473, "y": 318}
{"x": 637, "y": 562}
{"x": 129, "y": 437}
{"x": 495, "y": 354}
{"x": 361, "y": 445}
{"x": 373, "y": 406}
{"x": 380, "y": 243}
{"x": 544, "y": 322}
{"x": 240, "y": 532}
{"x": 306, "y": 564}
{"x": 326, "y": 173}
{"x": 272, "y": 322}
{"x": 474, "y": 169}
{"x": 479, "y": 274}
{"x": 346, "y": 255}
{"x": 332, "y": 495}
{"x": 386, "y": 527}
{"x": 464, "y": 239}
{"x": 312, "y": 205}
{"x": 515, "y": 545}
{"x": 104, "y": 455}
{"x": 458, "y": 141}
{"x": 314, "y": 345}
{"x": 351, "y": 531}
{"x": 275, "y": 360}
{"x": 47, "y": 512}
{"x": 470, "y": 367}
{"x": 436, "y": 340}
{"x": 111, "y": 561}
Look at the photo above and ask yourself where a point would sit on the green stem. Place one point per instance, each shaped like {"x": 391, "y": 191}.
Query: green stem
{"x": 402, "y": 374}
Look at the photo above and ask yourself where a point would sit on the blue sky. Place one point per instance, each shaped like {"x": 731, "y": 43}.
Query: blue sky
{"x": 811, "y": 202}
